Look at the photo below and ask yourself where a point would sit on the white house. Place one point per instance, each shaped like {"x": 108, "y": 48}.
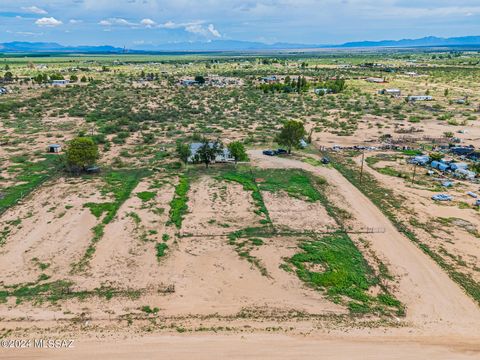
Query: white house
{"x": 420, "y": 98}
{"x": 391, "y": 92}
{"x": 60, "y": 82}
{"x": 224, "y": 156}
{"x": 375, "y": 80}
{"x": 322, "y": 91}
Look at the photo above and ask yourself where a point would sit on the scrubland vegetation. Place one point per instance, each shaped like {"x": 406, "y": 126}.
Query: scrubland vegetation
{"x": 147, "y": 215}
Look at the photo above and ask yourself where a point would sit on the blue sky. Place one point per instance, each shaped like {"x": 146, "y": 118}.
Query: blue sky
{"x": 145, "y": 23}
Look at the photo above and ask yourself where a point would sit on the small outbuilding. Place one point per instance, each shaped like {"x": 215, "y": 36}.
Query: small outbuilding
{"x": 54, "y": 148}
{"x": 391, "y": 92}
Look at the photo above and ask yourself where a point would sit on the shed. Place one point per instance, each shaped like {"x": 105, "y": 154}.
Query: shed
{"x": 54, "y": 148}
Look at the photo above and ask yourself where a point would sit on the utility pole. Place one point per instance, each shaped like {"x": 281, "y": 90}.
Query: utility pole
{"x": 361, "y": 168}
{"x": 414, "y": 171}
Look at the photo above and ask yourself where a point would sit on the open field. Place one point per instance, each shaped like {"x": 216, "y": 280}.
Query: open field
{"x": 269, "y": 258}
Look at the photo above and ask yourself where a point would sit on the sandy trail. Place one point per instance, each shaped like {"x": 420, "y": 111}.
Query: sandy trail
{"x": 433, "y": 300}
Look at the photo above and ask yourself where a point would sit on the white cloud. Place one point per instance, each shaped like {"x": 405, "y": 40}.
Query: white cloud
{"x": 34, "y": 10}
{"x": 149, "y": 23}
{"x": 48, "y": 21}
{"x": 214, "y": 31}
{"x": 116, "y": 22}
{"x": 194, "y": 27}
{"x": 199, "y": 29}
{"x": 75, "y": 21}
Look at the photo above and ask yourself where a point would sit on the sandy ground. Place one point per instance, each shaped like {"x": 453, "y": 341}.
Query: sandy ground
{"x": 433, "y": 299}
{"x": 213, "y": 284}
{"x": 54, "y": 229}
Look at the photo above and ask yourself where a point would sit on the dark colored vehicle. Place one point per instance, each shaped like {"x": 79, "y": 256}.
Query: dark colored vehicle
{"x": 281, "y": 152}
{"x": 325, "y": 160}
{"x": 269, "y": 152}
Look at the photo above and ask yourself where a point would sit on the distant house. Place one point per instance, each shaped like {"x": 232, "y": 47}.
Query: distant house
{"x": 421, "y": 160}
{"x": 224, "y": 156}
{"x": 391, "y": 92}
{"x": 188, "y": 82}
{"x": 269, "y": 79}
{"x": 375, "y": 80}
{"x": 54, "y": 148}
{"x": 322, "y": 91}
{"x": 60, "y": 82}
{"x": 413, "y": 98}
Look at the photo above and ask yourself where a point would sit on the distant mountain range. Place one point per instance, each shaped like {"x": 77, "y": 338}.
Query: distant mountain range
{"x": 235, "y": 45}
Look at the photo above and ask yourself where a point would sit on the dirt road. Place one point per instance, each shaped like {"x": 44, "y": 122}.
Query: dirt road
{"x": 433, "y": 300}
{"x": 258, "y": 346}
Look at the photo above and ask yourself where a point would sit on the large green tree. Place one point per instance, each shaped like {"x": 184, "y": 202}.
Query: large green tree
{"x": 81, "y": 152}
{"x": 208, "y": 151}
{"x": 237, "y": 149}
{"x": 290, "y": 135}
{"x": 183, "y": 152}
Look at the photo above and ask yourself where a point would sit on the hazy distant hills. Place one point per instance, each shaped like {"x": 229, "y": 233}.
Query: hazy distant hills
{"x": 426, "y": 41}
{"x": 20, "y": 46}
{"x": 235, "y": 45}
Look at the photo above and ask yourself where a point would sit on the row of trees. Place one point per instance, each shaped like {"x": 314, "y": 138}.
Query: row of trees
{"x": 290, "y": 136}
{"x": 289, "y": 85}
{"x": 83, "y": 151}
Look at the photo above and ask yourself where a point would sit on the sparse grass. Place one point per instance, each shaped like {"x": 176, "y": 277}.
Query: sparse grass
{"x": 161, "y": 248}
{"x": 345, "y": 274}
{"x": 59, "y": 290}
{"x": 119, "y": 185}
{"x": 146, "y": 195}
{"x": 178, "y": 205}
{"x": 29, "y": 176}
